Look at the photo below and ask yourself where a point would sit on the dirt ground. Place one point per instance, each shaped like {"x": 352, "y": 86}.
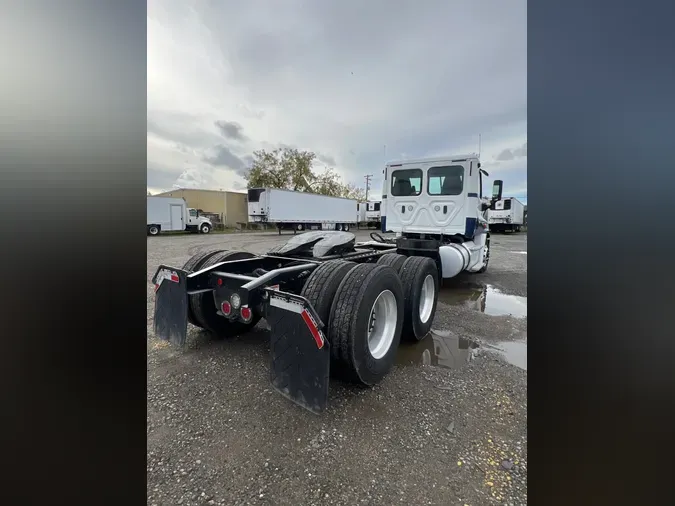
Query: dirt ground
{"x": 447, "y": 426}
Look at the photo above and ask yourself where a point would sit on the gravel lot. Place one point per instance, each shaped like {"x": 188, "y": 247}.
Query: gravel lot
{"x": 447, "y": 426}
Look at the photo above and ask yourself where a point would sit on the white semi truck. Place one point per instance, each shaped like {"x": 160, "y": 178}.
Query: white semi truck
{"x": 300, "y": 211}
{"x": 437, "y": 209}
{"x": 333, "y": 304}
{"x": 507, "y": 214}
{"x": 168, "y": 214}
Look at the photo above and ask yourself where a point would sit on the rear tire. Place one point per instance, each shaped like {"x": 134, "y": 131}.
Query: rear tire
{"x": 393, "y": 260}
{"x": 420, "y": 280}
{"x": 204, "y": 309}
{"x": 153, "y": 230}
{"x": 323, "y": 284}
{"x": 362, "y": 346}
{"x": 194, "y": 264}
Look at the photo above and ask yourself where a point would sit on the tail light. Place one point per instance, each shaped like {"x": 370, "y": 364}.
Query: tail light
{"x": 246, "y": 314}
{"x": 226, "y": 308}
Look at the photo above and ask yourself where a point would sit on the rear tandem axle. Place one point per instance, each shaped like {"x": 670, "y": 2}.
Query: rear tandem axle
{"x": 333, "y": 306}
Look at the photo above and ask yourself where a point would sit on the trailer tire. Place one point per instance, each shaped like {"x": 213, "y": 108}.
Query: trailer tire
{"x": 204, "y": 309}
{"x": 194, "y": 264}
{"x": 367, "y": 290}
{"x": 345, "y": 227}
{"x": 420, "y": 280}
{"x": 393, "y": 260}
{"x": 153, "y": 230}
{"x": 323, "y": 284}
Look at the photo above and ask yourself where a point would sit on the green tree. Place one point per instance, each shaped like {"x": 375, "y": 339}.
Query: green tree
{"x": 352, "y": 191}
{"x": 282, "y": 168}
{"x": 291, "y": 169}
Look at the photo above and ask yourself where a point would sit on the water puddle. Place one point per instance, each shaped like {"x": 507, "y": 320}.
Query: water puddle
{"x": 514, "y": 352}
{"x": 486, "y": 299}
{"x": 438, "y": 348}
{"x": 520, "y": 252}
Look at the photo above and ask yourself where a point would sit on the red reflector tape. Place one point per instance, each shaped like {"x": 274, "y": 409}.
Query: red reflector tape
{"x": 313, "y": 329}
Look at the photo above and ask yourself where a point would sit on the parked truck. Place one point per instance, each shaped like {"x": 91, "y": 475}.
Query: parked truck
{"x": 335, "y": 306}
{"x": 369, "y": 214}
{"x": 300, "y": 211}
{"x": 167, "y": 214}
{"x": 507, "y": 214}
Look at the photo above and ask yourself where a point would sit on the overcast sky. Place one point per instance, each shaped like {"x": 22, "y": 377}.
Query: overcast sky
{"x": 340, "y": 78}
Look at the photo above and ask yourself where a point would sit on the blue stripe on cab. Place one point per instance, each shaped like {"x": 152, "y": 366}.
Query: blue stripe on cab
{"x": 470, "y": 227}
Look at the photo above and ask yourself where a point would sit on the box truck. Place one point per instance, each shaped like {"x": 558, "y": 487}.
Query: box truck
{"x": 507, "y": 214}
{"x": 167, "y": 214}
{"x": 300, "y": 211}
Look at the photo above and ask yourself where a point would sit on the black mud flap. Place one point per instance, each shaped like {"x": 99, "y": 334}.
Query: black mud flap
{"x": 171, "y": 304}
{"x": 300, "y": 351}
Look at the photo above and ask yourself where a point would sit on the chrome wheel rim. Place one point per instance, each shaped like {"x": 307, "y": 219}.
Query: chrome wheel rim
{"x": 382, "y": 324}
{"x": 427, "y": 298}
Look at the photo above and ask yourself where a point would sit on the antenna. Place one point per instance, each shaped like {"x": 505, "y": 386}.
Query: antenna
{"x": 478, "y": 145}
{"x": 368, "y": 184}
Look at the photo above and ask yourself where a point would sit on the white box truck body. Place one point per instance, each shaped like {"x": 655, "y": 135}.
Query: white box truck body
{"x": 168, "y": 214}
{"x": 301, "y": 211}
{"x": 506, "y": 214}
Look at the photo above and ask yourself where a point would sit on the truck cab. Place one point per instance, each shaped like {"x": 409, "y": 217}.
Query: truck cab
{"x": 436, "y": 207}
{"x": 198, "y": 223}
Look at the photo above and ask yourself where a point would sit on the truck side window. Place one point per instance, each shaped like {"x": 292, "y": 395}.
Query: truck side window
{"x": 193, "y": 212}
{"x": 446, "y": 180}
{"x": 406, "y": 183}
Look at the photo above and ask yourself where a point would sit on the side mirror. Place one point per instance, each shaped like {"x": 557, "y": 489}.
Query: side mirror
{"x": 497, "y": 189}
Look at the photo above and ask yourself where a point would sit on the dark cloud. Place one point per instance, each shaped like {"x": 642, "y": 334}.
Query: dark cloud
{"x": 325, "y": 159}
{"x": 223, "y": 157}
{"x": 510, "y": 154}
{"x": 505, "y": 155}
{"x": 231, "y": 130}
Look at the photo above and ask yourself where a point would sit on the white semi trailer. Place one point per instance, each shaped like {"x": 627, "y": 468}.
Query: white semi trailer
{"x": 507, "y": 214}
{"x": 300, "y": 211}
{"x": 168, "y": 214}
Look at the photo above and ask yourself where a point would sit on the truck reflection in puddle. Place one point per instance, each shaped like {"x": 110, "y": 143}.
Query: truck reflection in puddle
{"x": 484, "y": 298}
{"x": 438, "y": 348}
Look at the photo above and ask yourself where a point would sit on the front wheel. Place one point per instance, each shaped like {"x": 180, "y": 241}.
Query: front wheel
{"x": 486, "y": 258}
{"x": 205, "y": 228}
{"x": 153, "y": 230}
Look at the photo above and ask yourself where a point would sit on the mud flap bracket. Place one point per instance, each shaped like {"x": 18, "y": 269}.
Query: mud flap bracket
{"x": 300, "y": 352}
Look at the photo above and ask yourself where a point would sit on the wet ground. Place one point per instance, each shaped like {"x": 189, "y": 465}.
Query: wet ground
{"x": 447, "y": 426}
